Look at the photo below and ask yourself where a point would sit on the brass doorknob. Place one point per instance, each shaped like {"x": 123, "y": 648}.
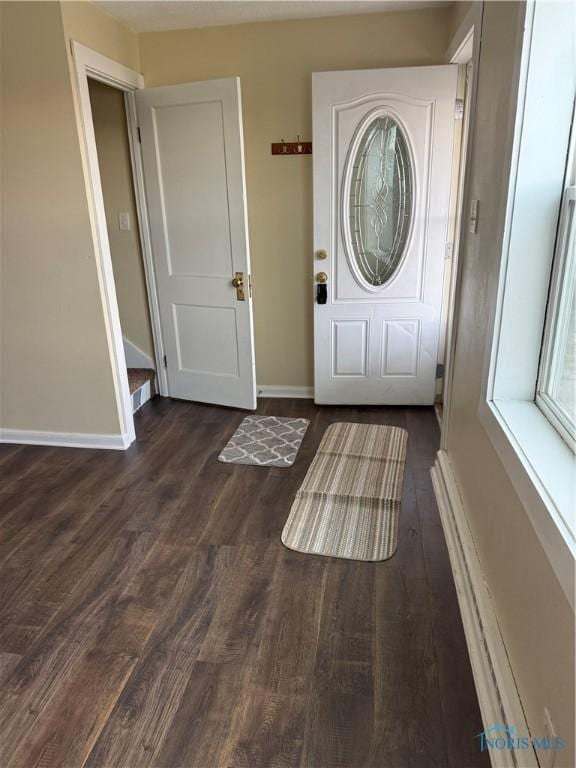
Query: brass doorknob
{"x": 238, "y": 283}
{"x": 322, "y": 277}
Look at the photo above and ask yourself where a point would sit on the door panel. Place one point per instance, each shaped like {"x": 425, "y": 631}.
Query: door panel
{"x": 205, "y": 340}
{"x": 349, "y": 348}
{"x": 190, "y": 154}
{"x": 382, "y": 161}
{"x": 193, "y": 160}
{"x": 401, "y": 342}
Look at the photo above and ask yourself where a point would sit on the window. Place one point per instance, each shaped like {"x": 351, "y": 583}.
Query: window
{"x": 527, "y": 407}
{"x": 556, "y": 393}
{"x": 380, "y": 204}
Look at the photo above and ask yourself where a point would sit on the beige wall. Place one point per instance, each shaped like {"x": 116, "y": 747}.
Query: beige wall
{"x": 458, "y": 13}
{"x": 87, "y": 24}
{"x": 275, "y": 61}
{"x": 55, "y": 363}
{"x": 54, "y": 358}
{"x": 109, "y": 118}
{"x": 55, "y": 355}
{"x": 535, "y": 618}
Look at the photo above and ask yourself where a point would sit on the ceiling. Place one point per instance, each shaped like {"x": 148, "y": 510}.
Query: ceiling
{"x": 156, "y": 15}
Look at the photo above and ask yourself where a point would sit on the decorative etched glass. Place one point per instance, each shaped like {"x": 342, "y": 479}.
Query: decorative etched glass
{"x": 380, "y": 203}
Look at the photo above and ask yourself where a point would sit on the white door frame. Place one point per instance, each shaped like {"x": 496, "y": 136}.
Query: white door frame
{"x": 91, "y": 64}
{"x": 465, "y": 48}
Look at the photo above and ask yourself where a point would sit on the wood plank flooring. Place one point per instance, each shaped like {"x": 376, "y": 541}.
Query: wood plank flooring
{"x": 150, "y": 616}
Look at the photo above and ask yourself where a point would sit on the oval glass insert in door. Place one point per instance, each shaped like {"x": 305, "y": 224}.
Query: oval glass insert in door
{"x": 380, "y": 201}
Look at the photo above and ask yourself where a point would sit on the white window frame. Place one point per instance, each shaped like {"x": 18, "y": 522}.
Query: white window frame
{"x": 539, "y": 463}
{"x": 559, "y": 310}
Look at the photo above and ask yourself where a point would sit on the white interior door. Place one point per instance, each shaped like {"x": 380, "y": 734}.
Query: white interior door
{"x": 383, "y": 144}
{"x": 193, "y": 161}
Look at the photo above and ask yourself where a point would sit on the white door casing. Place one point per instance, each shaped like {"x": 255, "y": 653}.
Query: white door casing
{"x": 379, "y": 344}
{"x": 193, "y": 163}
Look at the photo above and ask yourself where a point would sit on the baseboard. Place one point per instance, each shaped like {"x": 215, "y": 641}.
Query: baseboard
{"x": 273, "y": 390}
{"x": 438, "y": 411}
{"x": 497, "y": 693}
{"x": 135, "y": 357}
{"x": 64, "y": 439}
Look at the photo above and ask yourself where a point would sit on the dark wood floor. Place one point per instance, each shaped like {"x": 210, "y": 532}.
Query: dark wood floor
{"x": 151, "y": 616}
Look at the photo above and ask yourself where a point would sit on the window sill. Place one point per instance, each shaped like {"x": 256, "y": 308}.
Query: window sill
{"x": 542, "y": 469}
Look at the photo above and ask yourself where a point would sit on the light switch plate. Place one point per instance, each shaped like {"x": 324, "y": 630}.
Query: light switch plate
{"x": 124, "y": 220}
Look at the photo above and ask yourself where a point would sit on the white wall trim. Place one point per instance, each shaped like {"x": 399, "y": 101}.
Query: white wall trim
{"x": 470, "y": 31}
{"x": 65, "y": 439}
{"x": 90, "y": 63}
{"x": 462, "y": 36}
{"x": 279, "y": 390}
{"x": 136, "y": 357}
{"x": 495, "y": 685}
{"x": 146, "y": 243}
{"x": 142, "y": 395}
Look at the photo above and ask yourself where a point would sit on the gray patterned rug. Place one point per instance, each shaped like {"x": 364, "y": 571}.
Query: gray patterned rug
{"x": 349, "y": 503}
{"x": 267, "y": 441}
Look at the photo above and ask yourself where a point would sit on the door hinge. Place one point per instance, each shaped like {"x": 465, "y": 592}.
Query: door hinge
{"x": 440, "y": 371}
{"x": 165, "y": 362}
{"x": 449, "y": 251}
{"x": 459, "y": 109}
{"x": 139, "y": 135}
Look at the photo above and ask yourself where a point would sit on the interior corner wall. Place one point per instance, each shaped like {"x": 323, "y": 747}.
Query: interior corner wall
{"x": 274, "y": 61}
{"x": 534, "y": 615}
{"x": 56, "y": 371}
{"x": 459, "y": 12}
{"x": 85, "y": 23}
{"x": 109, "y": 117}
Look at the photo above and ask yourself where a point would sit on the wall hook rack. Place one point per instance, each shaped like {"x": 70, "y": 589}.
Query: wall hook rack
{"x": 292, "y": 147}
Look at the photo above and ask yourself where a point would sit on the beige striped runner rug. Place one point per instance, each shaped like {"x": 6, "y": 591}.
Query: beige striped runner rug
{"x": 349, "y": 503}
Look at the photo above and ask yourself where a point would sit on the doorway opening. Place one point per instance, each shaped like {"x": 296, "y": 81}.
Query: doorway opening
{"x": 188, "y": 195}
{"x": 114, "y": 160}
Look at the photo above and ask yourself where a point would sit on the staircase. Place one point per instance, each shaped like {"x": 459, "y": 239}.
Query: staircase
{"x": 142, "y": 383}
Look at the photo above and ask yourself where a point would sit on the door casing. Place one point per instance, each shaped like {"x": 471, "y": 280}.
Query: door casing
{"x": 91, "y": 64}
{"x": 465, "y": 49}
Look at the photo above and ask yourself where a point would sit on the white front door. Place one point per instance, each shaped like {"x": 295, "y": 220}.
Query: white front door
{"x": 193, "y": 160}
{"x": 382, "y": 167}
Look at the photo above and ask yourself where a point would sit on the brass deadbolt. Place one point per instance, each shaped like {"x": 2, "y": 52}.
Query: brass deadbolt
{"x": 321, "y": 254}
{"x": 322, "y": 277}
